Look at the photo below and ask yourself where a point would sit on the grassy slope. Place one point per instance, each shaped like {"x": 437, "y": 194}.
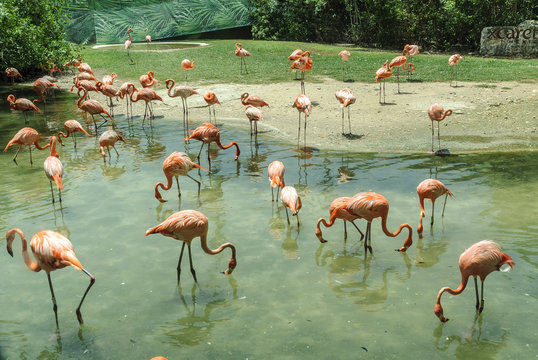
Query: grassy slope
{"x": 268, "y": 63}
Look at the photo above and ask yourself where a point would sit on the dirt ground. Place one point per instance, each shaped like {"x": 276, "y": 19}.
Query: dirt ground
{"x": 487, "y": 117}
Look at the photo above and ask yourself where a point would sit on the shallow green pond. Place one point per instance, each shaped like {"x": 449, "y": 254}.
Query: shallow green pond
{"x": 290, "y": 296}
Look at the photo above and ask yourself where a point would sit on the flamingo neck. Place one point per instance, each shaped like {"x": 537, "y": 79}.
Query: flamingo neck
{"x": 318, "y": 232}
{"x": 237, "y": 151}
{"x": 438, "y": 307}
{"x": 129, "y": 33}
{"x": 10, "y": 236}
{"x": 53, "y": 151}
{"x": 169, "y": 180}
{"x": 79, "y": 102}
{"x": 446, "y": 113}
{"x": 407, "y": 242}
{"x": 172, "y": 82}
{"x": 207, "y": 250}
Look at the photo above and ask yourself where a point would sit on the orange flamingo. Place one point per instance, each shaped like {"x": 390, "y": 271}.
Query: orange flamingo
{"x": 148, "y": 37}
{"x": 25, "y": 136}
{"x": 368, "y": 206}
{"x": 211, "y": 100}
{"x": 109, "y": 79}
{"x": 84, "y": 84}
{"x": 296, "y": 54}
{"x": 109, "y": 91}
{"x": 84, "y": 67}
{"x": 12, "y": 72}
{"x": 159, "y": 358}
{"x": 254, "y": 115}
{"x": 22, "y": 105}
{"x": 186, "y": 64}
{"x": 344, "y": 55}
{"x": 109, "y": 138}
{"x": 54, "y": 169}
{"x": 207, "y": 133}
{"x": 290, "y": 199}
{"x": 184, "y": 92}
{"x": 397, "y": 62}
{"x": 148, "y": 80}
{"x": 481, "y": 259}
{"x": 52, "y": 251}
{"x": 383, "y": 73}
{"x": 437, "y": 113}
{"x": 410, "y": 51}
{"x": 346, "y": 98}
{"x": 128, "y": 44}
{"x": 342, "y": 213}
{"x": 454, "y": 60}
{"x": 93, "y": 107}
{"x": 304, "y": 63}
{"x": 430, "y": 189}
{"x": 303, "y": 104}
{"x": 252, "y": 100}
{"x": 126, "y": 89}
{"x": 41, "y": 86}
{"x": 239, "y": 51}
{"x": 275, "y": 172}
{"x": 71, "y": 127}
{"x": 148, "y": 96}
{"x": 176, "y": 164}
{"x": 186, "y": 225}
{"x": 83, "y": 76}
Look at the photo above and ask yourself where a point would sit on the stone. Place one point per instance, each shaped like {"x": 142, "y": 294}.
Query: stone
{"x": 521, "y": 40}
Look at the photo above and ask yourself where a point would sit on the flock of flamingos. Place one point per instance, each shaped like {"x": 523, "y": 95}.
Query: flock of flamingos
{"x": 53, "y": 251}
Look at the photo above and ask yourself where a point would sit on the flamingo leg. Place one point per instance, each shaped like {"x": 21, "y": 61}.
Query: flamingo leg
{"x": 178, "y": 189}
{"x": 342, "y": 121}
{"x": 54, "y": 305}
{"x": 26, "y": 122}
{"x": 51, "y": 191}
{"x": 443, "y": 214}
{"x": 117, "y": 153}
{"x": 438, "y": 136}
{"x": 476, "y": 293}
{"x": 368, "y": 240}
{"x": 15, "y": 157}
{"x": 192, "y": 268}
{"x": 433, "y": 210}
{"x": 303, "y": 90}
{"x": 304, "y": 135}
{"x": 75, "y": 139}
{"x": 95, "y": 124}
{"x": 287, "y": 216}
{"x": 199, "y": 152}
{"x": 380, "y": 92}
{"x": 345, "y": 231}
{"x": 349, "y": 119}
{"x": 297, "y": 215}
{"x": 299, "y": 130}
{"x": 272, "y": 195}
{"x": 60, "y": 195}
{"x": 92, "y": 281}
{"x": 481, "y": 297}
{"x": 196, "y": 182}
{"x": 398, "y": 77}
{"x": 30, "y": 148}
{"x": 359, "y": 230}
{"x": 432, "y": 136}
{"x": 179, "y": 262}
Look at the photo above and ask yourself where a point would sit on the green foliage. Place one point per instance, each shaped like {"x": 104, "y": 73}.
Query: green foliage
{"x": 31, "y": 32}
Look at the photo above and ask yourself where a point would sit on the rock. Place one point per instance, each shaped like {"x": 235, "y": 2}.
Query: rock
{"x": 521, "y": 40}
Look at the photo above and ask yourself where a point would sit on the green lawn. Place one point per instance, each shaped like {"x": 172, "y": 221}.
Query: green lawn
{"x": 268, "y": 63}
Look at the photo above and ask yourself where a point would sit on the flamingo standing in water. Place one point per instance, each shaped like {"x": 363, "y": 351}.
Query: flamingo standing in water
{"x": 148, "y": 80}
{"x": 126, "y": 89}
{"x": 304, "y": 63}
{"x": 109, "y": 138}
{"x": 239, "y": 51}
{"x": 12, "y": 72}
{"x": 275, "y": 172}
{"x": 344, "y": 55}
{"x": 207, "y": 133}
{"x": 211, "y": 100}
{"x": 410, "y": 51}
{"x": 23, "y": 105}
{"x": 453, "y": 61}
{"x": 437, "y": 113}
{"x": 93, "y": 107}
{"x": 54, "y": 169}
{"x": 176, "y": 164}
{"x": 346, "y": 98}
{"x": 303, "y": 104}
{"x": 184, "y": 92}
{"x": 430, "y": 189}
{"x": 41, "y": 86}
{"x": 186, "y": 65}
{"x": 290, "y": 199}
{"x": 128, "y": 44}
{"x": 71, "y": 127}
{"x": 397, "y": 62}
{"x": 254, "y": 115}
{"x": 252, "y": 100}
{"x": 381, "y": 74}
{"x": 84, "y": 84}
{"x": 25, "y": 136}
{"x": 109, "y": 91}
{"x": 481, "y": 259}
{"x": 148, "y": 96}
{"x": 186, "y": 225}
{"x": 368, "y": 206}
{"x": 343, "y": 214}
{"x": 296, "y": 54}
{"x": 52, "y": 251}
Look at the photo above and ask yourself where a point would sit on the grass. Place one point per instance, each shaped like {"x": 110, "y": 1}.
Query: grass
{"x": 268, "y": 63}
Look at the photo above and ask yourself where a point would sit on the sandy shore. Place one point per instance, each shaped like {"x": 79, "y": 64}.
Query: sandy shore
{"x": 492, "y": 117}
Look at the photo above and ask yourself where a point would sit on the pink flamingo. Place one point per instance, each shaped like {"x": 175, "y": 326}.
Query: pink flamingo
{"x": 254, "y": 115}
{"x": 25, "y": 136}
{"x": 186, "y": 64}
{"x": 41, "y": 86}
{"x": 148, "y": 37}
{"x": 344, "y": 55}
{"x": 108, "y": 139}
{"x": 184, "y": 92}
{"x": 296, "y": 54}
{"x": 109, "y": 79}
{"x": 207, "y": 133}
{"x": 84, "y": 67}
{"x": 275, "y": 172}
{"x": 239, "y": 51}
{"x": 397, "y": 62}
{"x": 128, "y": 44}
{"x": 381, "y": 74}
{"x": 71, "y": 127}
{"x": 303, "y": 104}
{"x": 437, "y": 113}
{"x": 481, "y": 259}
{"x": 109, "y": 91}
{"x": 22, "y": 105}
{"x": 148, "y": 96}
{"x": 54, "y": 169}
{"x": 12, "y": 73}
{"x": 148, "y": 80}
{"x": 343, "y": 214}
{"x": 290, "y": 199}
{"x": 454, "y": 60}
{"x": 430, "y": 189}
{"x": 304, "y": 63}
{"x": 346, "y": 98}
{"x": 186, "y": 225}
{"x": 410, "y": 51}
{"x": 93, "y": 107}
{"x": 126, "y": 89}
{"x": 252, "y": 100}
{"x": 211, "y": 100}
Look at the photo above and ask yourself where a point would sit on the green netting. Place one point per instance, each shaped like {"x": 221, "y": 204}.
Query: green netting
{"x": 107, "y": 21}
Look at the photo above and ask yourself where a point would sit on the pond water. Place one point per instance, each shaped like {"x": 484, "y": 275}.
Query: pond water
{"x": 290, "y": 296}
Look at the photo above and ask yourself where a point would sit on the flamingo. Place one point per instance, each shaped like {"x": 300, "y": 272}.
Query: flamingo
{"x": 275, "y": 172}
{"x": 368, "y": 206}
{"x": 184, "y": 92}
{"x": 52, "y": 251}
{"x": 481, "y": 259}
{"x": 148, "y": 37}
{"x": 383, "y": 73}
{"x": 344, "y": 55}
{"x": 302, "y": 103}
{"x": 254, "y": 115}
{"x": 128, "y": 44}
{"x": 83, "y": 76}
{"x": 346, "y": 98}
{"x": 71, "y": 127}
{"x": 84, "y": 84}
{"x": 239, "y": 51}
{"x": 84, "y": 67}
{"x": 25, "y": 136}
{"x": 147, "y": 95}
{"x": 296, "y": 54}
{"x": 109, "y": 91}
{"x": 410, "y": 51}
{"x": 207, "y": 133}
{"x": 397, "y": 62}
{"x": 454, "y": 60}
{"x": 343, "y": 214}
{"x": 176, "y": 164}
{"x": 304, "y": 63}
{"x": 148, "y": 80}
{"x": 290, "y": 199}
{"x": 23, "y": 105}
{"x": 186, "y": 64}
{"x": 109, "y": 79}
{"x": 437, "y": 113}
{"x": 108, "y": 139}
{"x": 93, "y": 107}
{"x": 186, "y": 225}
{"x": 50, "y": 69}
{"x": 430, "y": 189}
{"x": 252, "y": 100}
{"x": 12, "y": 72}
{"x": 41, "y": 86}
{"x": 211, "y": 100}
{"x": 54, "y": 169}
{"x": 126, "y": 89}
{"x": 73, "y": 63}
